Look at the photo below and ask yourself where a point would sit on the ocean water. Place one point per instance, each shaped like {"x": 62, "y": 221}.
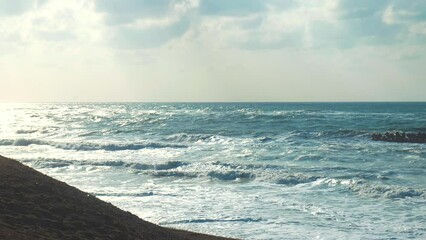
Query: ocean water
{"x": 246, "y": 170}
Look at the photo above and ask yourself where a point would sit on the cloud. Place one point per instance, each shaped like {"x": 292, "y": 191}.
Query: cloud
{"x": 242, "y": 24}
{"x": 150, "y": 37}
{"x": 388, "y": 16}
{"x": 17, "y": 7}
{"x": 55, "y": 36}
{"x": 145, "y": 23}
{"x": 232, "y": 8}
{"x": 418, "y": 28}
{"x": 262, "y": 24}
{"x": 120, "y": 12}
{"x": 336, "y": 24}
{"x": 272, "y": 25}
{"x": 360, "y": 9}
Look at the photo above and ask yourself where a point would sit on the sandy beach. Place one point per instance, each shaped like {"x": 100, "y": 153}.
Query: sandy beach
{"x": 36, "y": 206}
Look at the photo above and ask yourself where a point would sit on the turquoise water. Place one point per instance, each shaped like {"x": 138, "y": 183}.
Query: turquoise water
{"x": 247, "y": 170}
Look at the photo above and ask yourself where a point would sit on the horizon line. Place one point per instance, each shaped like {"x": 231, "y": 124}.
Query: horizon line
{"x": 206, "y": 102}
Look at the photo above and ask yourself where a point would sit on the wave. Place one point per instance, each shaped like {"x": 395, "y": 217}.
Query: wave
{"x": 277, "y": 114}
{"x": 197, "y": 138}
{"x": 160, "y": 166}
{"x": 231, "y": 175}
{"x": 114, "y": 147}
{"x": 330, "y": 134}
{"x": 385, "y": 191}
{"x": 223, "y": 171}
{"x": 345, "y": 133}
{"x": 212, "y": 170}
{"x": 143, "y": 194}
{"x": 297, "y": 179}
{"x": 184, "y": 137}
{"x": 26, "y": 131}
{"x": 104, "y": 163}
{"x": 88, "y": 133}
{"x": 376, "y": 190}
{"x": 176, "y": 174}
{"x": 88, "y": 146}
{"x": 52, "y": 163}
{"x": 265, "y": 139}
{"x": 309, "y": 157}
{"x": 213, "y": 175}
{"x": 206, "y": 220}
{"x": 22, "y": 142}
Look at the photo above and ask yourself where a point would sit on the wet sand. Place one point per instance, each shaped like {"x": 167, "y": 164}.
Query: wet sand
{"x": 36, "y": 206}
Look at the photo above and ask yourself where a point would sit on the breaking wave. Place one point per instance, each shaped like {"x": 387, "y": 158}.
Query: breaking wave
{"x": 89, "y": 146}
{"x": 223, "y": 171}
{"x": 183, "y": 137}
{"x": 22, "y": 142}
{"x": 231, "y": 175}
{"x": 26, "y": 131}
{"x": 142, "y": 194}
{"x": 376, "y": 190}
{"x": 297, "y": 179}
{"x": 160, "y": 166}
{"x": 385, "y": 191}
{"x": 341, "y": 133}
{"x": 52, "y": 163}
{"x": 213, "y": 220}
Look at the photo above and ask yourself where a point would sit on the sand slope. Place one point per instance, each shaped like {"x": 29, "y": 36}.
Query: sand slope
{"x": 35, "y": 206}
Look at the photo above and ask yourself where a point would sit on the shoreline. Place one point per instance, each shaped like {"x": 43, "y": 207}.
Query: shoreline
{"x": 36, "y": 206}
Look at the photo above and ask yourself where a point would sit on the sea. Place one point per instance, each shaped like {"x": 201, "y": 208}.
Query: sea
{"x": 243, "y": 170}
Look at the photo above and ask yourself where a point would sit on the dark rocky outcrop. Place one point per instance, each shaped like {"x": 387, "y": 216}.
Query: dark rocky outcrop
{"x": 419, "y": 137}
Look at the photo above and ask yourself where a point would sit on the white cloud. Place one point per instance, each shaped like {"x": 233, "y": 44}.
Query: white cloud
{"x": 55, "y": 21}
{"x": 391, "y": 16}
{"x": 185, "y": 6}
{"x": 16, "y": 7}
{"x": 388, "y": 16}
{"x": 418, "y": 28}
{"x": 145, "y": 23}
{"x": 177, "y": 11}
{"x": 272, "y": 27}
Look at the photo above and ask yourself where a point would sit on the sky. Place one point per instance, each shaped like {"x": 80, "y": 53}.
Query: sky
{"x": 212, "y": 50}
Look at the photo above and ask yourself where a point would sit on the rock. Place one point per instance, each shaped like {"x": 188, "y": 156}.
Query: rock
{"x": 419, "y": 137}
